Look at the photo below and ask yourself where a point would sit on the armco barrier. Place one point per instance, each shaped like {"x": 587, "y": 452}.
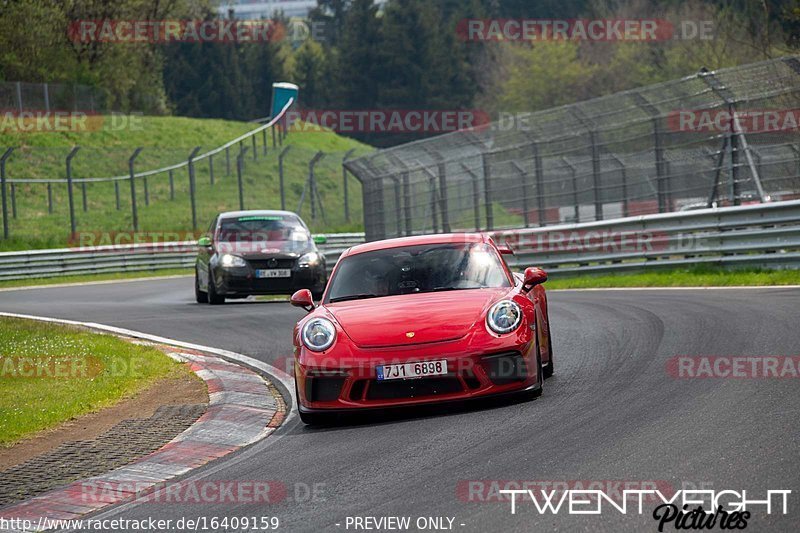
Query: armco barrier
{"x": 128, "y": 258}
{"x": 761, "y": 235}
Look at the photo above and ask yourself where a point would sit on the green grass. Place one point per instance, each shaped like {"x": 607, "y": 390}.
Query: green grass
{"x": 168, "y": 140}
{"x": 701, "y": 276}
{"x": 91, "y": 371}
{"x": 88, "y": 278}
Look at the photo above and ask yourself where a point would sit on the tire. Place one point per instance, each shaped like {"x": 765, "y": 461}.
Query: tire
{"x": 549, "y": 369}
{"x": 200, "y": 296}
{"x": 213, "y": 297}
{"x": 535, "y": 393}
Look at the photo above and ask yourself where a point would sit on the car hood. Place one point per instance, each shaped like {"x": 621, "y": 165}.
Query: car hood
{"x": 432, "y": 317}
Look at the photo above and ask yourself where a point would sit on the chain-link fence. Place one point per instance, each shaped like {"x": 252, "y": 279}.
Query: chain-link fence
{"x": 728, "y": 137}
{"x": 19, "y": 96}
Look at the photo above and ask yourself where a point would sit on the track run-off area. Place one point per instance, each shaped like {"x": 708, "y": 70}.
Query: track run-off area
{"x": 619, "y": 409}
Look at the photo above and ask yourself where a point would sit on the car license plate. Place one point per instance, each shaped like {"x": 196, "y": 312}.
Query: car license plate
{"x": 274, "y": 273}
{"x": 419, "y": 369}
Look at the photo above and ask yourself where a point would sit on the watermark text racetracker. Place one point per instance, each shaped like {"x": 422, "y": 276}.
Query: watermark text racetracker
{"x": 63, "y": 121}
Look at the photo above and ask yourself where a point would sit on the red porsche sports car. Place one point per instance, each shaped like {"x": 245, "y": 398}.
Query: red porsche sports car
{"x": 418, "y": 320}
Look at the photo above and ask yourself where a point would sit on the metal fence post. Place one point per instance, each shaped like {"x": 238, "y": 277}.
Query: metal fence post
{"x": 398, "y": 207}
{"x": 624, "y": 176}
{"x": 734, "y": 185}
{"x": 71, "y": 200}
{"x": 476, "y": 205}
{"x": 211, "y": 170}
{"x": 264, "y": 141}
{"x": 19, "y": 97}
{"x": 146, "y": 192}
{"x": 407, "y": 202}
{"x": 255, "y": 150}
{"x": 14, "y": 201}
{"x": 524, "y": 177}
{"x": 274, "y": 141}
{"x": 171, "y": 186}
{"x": 596, "y": 171}
{"x": 46, "y": 97}
{"x": 539, "y": 174}
{"x": 50, "y": 198}
{"x": 192, "y": 187}
{"x": 574, "y": 176}
{"x": 281, "y": 155}
{"x": 3, "y": 159}
{"x": 116, "y": 194}
{"x": 132, "y": 180}
{"x": 443, "y": 197}
{"x": 227, "y": 160}
{"x": 83, "y": 197}
{"x": 239, "y": 169}
{"x": 487, "y": 190}
{"x": 344, "y": 184}
{"x": 312, "y": 183}
{"x": 441, "y": 172}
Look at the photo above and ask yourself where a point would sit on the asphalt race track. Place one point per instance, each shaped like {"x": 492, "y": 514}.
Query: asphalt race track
{"x": 611, "y": 412}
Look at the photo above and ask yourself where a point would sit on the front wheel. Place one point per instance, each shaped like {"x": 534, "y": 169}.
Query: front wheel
{"x": 549, "y": 369}
{"x": 200, "y": 296}
{"x": 535, "y": 393}
{"x": 213, "y": 297}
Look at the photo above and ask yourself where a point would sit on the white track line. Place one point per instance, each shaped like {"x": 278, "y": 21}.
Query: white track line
{"x": 272, "y": 372}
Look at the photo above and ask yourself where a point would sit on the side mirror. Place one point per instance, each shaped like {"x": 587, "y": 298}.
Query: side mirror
{"x": 533, "y": 276}
{"x": 205, "y": 242}
{"x": 505, "y": 250}
{"x": 320, "y": 239}
{"x": 303, "y": 298}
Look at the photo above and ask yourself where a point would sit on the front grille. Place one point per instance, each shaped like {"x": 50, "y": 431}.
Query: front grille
{"x": 357, "y": 390}
{"x": 323, "y": 388}
{"x": 412, "y": 388}
{"x": 505, "y": 368}
{"x": 263, "y": 264}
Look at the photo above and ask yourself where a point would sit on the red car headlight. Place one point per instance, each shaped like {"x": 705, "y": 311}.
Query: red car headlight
{"x": 504, "y": 317}
{"x": 318, "y": 334}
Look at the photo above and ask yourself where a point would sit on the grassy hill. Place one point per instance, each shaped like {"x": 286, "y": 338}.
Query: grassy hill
{"x": 167, "y": 140}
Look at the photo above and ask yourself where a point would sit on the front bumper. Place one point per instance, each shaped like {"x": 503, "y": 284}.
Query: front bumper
{"x": 243, "y": 282}
{"x": 334, "y": 385}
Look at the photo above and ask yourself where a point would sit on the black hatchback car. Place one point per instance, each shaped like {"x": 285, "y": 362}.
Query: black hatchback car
{"x": 258, "y": 252}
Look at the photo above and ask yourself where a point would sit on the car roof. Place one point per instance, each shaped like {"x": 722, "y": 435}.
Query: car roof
{"x": 257, "y": 213}
{"x": 439, "y": 238}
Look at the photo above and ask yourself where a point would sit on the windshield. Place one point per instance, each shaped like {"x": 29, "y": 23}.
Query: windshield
{"x": 263, "y": 234}
{"x": 417, "y": 269}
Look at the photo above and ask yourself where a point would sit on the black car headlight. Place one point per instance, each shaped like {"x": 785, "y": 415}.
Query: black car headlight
{"x": 504, "y": 317}
{"x": 318, "y": 334}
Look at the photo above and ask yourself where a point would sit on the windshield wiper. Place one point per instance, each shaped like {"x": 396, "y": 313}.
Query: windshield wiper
{"x": 353, "y": 297}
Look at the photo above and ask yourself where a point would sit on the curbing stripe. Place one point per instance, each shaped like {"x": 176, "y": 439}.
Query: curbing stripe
{"x": 237, "y": 416}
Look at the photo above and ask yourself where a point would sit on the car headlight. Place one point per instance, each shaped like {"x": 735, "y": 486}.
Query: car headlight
{"x": 504, "y": 317}
{"x": 230, "y": 261}
{"x": 308, "y": 260}
{"x": 318, "y": 334}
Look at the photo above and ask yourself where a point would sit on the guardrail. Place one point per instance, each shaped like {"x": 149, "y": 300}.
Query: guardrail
{"x": 763, "y": 235}
{"x": 128, "y": 258}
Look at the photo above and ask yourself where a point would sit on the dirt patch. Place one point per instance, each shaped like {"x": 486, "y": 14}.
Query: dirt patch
{"x": 183, "y": 390}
